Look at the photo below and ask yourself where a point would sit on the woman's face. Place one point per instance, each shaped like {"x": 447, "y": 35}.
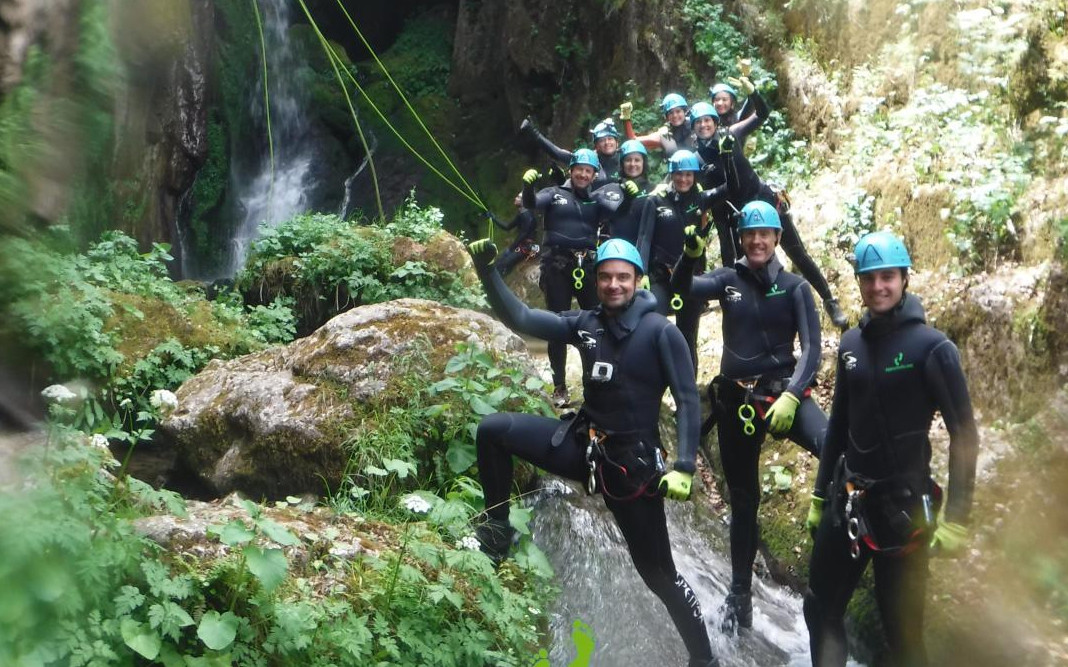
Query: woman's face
{"x": 676, "y": 116}
{"x": 723, "y": 103}
{"x": 682, "y": 180}
{"x": 633, "y": 165}
{"x": 705, "y": 127}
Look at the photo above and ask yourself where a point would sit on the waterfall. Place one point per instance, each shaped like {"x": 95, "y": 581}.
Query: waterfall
{"x": 266, "y": 197}
{"x": 600, "y": 587}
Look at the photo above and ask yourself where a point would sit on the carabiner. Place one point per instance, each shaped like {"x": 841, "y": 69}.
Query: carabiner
{"x": 577, "y": 274}
{"x": 676, "y": 302}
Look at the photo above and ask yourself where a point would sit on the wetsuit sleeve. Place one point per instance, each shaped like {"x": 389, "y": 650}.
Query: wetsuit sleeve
{"x": 704, "y": 287}
{"x": 651, "y": 140}
{"x": 709, "y": 198}
{"x": 552, "y": 150}
{"x": 808, "y": 333}
{"x": 517, "y": 221}
{"x": 746, "y": 126}
{"x": 837, "y": 432}
{"x": 945, "y": 377}
{"x": 518, "y": 316}
{"x": 678, "y": 368}
{"x": 645, "y": 228}
{"x": 536, "y": 201}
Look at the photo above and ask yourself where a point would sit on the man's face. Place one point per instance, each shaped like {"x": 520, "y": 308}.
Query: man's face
{"x": 676, "y": 116}
{"x": 581, "y": 175}
{"x": 633, "y": 165}
{"x": 616, "y": 282}
{"x": 881, "y": 290}
{"x": 722, "y": 103}
{"x": 682, "y": 180}
{"x": 705, "y": 126}
{"x": 606, "y": 145}
{"x": 759, "y": 245}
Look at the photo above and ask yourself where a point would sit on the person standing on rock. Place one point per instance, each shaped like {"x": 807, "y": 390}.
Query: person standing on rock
{"x": 893, "y": 372}
{"x": 630, "y": 356}
{"x": 760, "y": 388}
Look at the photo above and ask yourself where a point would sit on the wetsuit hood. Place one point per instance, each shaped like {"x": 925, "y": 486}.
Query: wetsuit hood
{"x": 765, "y": 275}
{"x": 908, "y": 310}
{"x": 627, "y": 320}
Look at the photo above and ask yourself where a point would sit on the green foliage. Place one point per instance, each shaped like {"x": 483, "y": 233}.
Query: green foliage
{"x": 208, "y": 191}
{"x": 859, "y": 219}
{"x": 420, "y": 58}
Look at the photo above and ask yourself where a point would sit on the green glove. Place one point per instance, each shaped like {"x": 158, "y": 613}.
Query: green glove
{"x": 483, "y": 251}
{"x": 949, "y": 539}
{"x": 645, "y": 282}
{"x": 743, "y": 84}
{"x": 745, "y": 66}
{"x": 631, "y": 189}
{"x": 660, "y": 190}
{"x": 815, "y": 513}
{"x": 726, "y": 144}
{"x": 677, "y": 485}
{"x": 625, "y": 110}
{"x": 694, "y": 244}
{"x": 531, "y": 175}
{"x": 780, "y": 415}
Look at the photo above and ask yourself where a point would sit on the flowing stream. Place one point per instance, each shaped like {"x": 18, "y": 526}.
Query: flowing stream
{"x": 599, "y": 587}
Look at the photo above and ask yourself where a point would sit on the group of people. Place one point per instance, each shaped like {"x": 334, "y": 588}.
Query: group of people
{"x": 632, "y": 254}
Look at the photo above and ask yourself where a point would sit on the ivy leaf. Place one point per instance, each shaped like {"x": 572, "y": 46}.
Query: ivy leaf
{"x": 217, "y": 631}
{"x": 139, "y": 637}
{"x": 267, "y": 565}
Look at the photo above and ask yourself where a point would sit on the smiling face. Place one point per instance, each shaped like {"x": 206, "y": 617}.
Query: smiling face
{"x": 581, "y": 175}
{"x": 633, "y": 165}
{"x": 616, "y": 281}
{"x": 705, "y": 127}
{"x": 682, "y": 180}
{"x": 882, "y": 290}
{"x": 606, "y": 146}
{"x": 723, "y": 102}
{"x": 676, "y": 116}
{"x": 759, "y": 245}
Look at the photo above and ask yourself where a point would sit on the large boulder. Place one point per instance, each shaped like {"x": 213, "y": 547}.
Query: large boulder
{"x": 275, "y": 423}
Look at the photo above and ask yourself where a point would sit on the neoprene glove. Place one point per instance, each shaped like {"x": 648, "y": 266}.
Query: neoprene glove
{"x": 745, "y": 66}
{"x": 645, "y": 282}
{"x": 693, "y": 245}
{"x": 531, "y": 175}
{"x": 660, "y": 190}
{"x": 631, "y": 189}
{"x": 677, "y": 485}
{"x": 625, "y": 110}
{"x": 483, "y": 251}
{"x": 726, "y": 144}
{"x": 949, "y": 539}
{"x": 780, "y": 415}
{"x": 815, "y": 513}
{"x": 743, "y": 84}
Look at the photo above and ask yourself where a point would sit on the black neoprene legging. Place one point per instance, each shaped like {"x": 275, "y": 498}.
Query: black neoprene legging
{"x": 641, "y": 521}
{"x": 558, "y": 286}
{"x": 900, "y": 589}
{"x": 687, "y": 319}
{"x": 740, "y": 454}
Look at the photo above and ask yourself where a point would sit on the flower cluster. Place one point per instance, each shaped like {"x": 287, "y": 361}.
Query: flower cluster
{"x": 415, "y": 504}
{"x": 469, "y": 542}
{"x": 163, "y": 400}
{"x": 57, "y": 393}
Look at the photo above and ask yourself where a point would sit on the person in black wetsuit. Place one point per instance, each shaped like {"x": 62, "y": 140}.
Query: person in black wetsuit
{"x": 673, "y": 135}
{"x": 893, "y": 373}
{"x": 634, "y": 163}
{"x": 630, "y": 355}
{"x": 725, "y": 152}
{"x": 572, "y": 215}
{"x": 760, "y": 387}
{"x": 605, "y": 144}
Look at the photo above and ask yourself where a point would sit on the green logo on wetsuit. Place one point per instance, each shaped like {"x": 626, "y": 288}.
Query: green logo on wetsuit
{"x": 775, "y": 291}
{"x": 898, "y": 366}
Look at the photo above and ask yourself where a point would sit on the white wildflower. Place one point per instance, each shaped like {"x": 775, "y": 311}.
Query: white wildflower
{"x": 534, "y": 610}
{"x": 99, "y": 441}
{"x": 415, "y": 504}
{"x": 57, "y": 393}
{"x": 469, "y": 542}
{"x": 126, "y": 403}
{"x": 163, "y": 400}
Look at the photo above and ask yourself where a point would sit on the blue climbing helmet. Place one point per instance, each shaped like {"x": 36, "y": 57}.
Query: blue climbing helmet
{"x": 722, "y": 88}
{"x": 620, "y": 249}
{"x": 673, "y": 101}
{"x": 700, "y": 110}
{"x": 683, "y": 160}
{"x": 585, "y": 156}
{"x": 606, "y": 128}
{"x": 759, "y": 215}
{"x": 880, "y": 250}
{"x": 633, "y": 146}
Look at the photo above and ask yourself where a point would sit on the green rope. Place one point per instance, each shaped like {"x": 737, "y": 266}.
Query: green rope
{"x": 266, "y": 101}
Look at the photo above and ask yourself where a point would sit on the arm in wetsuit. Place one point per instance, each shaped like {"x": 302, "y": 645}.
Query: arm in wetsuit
{"x": 678, "y": 367}
{"x": 944, "y": 376}
{"x": 517, "y": 315}
{"x": 808, "y": 334}
{"x": 746, "y": 125}
{"x": 834, "y": 444}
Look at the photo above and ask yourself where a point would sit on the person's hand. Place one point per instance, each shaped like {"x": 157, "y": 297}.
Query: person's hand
{"x": 742, "y": 84}
{"x": 660, "y": 190}
{"x": 693, "y": 244}
{"x": 644, "y": 284}
{"x": 677, "y": 485}
{"x": 625, "y": 110}
{"x": 630, "y": 188}
{"x": 815, "y": 513}
{"x": 726, "y": 144}
{"x": 780, "y": 416}
{"x": 949, "y": 539}
{"x": 530, "y": 176}
{"x": 483, "y": 252}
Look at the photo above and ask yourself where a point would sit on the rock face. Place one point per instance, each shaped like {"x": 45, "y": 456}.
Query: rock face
{"x": 275, "y": 423}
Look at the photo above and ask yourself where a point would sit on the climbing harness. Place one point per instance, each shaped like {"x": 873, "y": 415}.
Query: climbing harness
{"x": 612, "y": 453}
{"x": 592, "y": 451}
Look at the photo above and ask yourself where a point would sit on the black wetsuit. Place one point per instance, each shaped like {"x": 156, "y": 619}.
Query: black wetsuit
{"x": 647, "y": 355}
{"x": 571, "y": 222}
{"x": 746, "y": 186}
{"x": 627, "y": 221}
{"x": 893, "y": 373}
{"x": 763, "y": 312}
{"x": 523, "y": 246}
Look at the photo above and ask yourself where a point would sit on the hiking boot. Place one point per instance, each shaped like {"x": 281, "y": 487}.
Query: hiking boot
{"x": 834, "y": 311}
{"x": 495, "y": 538}
{"x": 561, "y": 398}
{"x": 737, "y": 610}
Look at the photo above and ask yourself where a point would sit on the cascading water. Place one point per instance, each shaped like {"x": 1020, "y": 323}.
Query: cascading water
{"x": 600, "y": 588}
{"x": 270, "y": 196}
